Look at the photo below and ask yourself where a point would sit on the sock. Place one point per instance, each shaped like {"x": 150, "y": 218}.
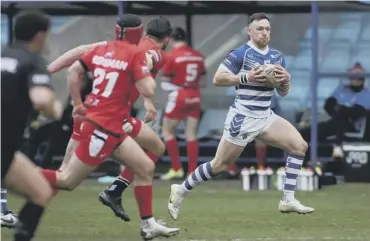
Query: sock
{"x": 261, "y": 155}
{"x": 120, "y": 184}
{"x": 126, "y": 177}
{"x": 4, "y": 201}
{"x": 29, "y": 218}
{"x": 233, "y": 169}
{"x": 173, "y": 152}
{"x": 144, "y": 197}
{"x": 192, "y": 151}
{"x": 51, "y": 177}
{"x": 201, "y": 174}
{"x": 292, "y": 170}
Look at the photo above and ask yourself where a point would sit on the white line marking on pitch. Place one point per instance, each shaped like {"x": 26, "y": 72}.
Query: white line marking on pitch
{"x": 288, "y": 238}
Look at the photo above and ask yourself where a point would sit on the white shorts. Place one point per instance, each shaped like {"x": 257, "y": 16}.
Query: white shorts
{"x": 240, "y": 129}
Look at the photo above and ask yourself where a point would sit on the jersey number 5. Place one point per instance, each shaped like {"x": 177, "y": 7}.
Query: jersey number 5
{"x": 99, "y": 76}
{"x": 191, "y": 72}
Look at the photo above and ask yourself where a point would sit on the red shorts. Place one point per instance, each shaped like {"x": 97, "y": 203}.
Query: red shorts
{"x": 136, "y": 126}
{"x": 183, "y": 103}
{"x": 76, "y": 129}
{"x": 96, "y": 144}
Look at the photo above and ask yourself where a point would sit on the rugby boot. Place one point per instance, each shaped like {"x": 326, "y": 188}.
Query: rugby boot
{"x": 174, "y": 201}
{"x": 294, "y": 206}
{"x": 8, "y": 219}
{"x": 151, "y": 229}
{"x": 115, "y": 204}
{"x": 172, "y": 174}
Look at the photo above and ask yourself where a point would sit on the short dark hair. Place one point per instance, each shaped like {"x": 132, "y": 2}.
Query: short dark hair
{"x": 258, "y": 17}
{"x": 29, "y": 23}
{"x": 159, "y": 27}
{"x": 179, "y": 34}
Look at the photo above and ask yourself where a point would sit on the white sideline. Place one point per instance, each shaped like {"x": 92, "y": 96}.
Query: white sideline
{"x": 287, "y": 238}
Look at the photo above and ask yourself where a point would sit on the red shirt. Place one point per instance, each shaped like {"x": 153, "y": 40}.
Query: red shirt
{"x": 148, "y": 45}
{"x": 115, "y": 67}
{"x": 185, "y": 66}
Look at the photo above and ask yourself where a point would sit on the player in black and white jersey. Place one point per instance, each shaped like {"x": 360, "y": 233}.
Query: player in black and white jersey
{"x": 25, "y": 84}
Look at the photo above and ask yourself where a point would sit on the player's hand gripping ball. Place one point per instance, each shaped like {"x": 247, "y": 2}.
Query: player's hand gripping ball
{"x": 269, "y": 72}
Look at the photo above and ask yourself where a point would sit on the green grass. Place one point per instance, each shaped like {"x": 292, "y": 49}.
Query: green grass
{"x": 218, "y": 210}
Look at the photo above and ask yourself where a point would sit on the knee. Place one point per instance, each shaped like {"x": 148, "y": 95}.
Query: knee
{"x": 65, "y": 182}
{"x": 147, "y": 172}
{"x": 168, "y": 134}
{"x": 299, "y": 148}
{"x": 42, "y": 196}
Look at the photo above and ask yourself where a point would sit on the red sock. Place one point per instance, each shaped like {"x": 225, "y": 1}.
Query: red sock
{"x": 152, "y": 156}
{"x": 51, "y": 177}
{"x": 173, "y": 152}
{"x": 128, "y": 174}
{"x": 192, "y": 150}
{"x": 261, "y": 156}
{"x": 144, "y": 196}
{"x": 233, "y": 168}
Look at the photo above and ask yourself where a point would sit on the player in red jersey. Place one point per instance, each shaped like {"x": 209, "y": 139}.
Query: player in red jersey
{"x": 156, "y": 40}
{"x": 183, "y": 75}
{"x": 118, "y": 67}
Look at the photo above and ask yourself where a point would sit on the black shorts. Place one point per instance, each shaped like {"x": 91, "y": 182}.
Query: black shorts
{"x": 7, "y": 155}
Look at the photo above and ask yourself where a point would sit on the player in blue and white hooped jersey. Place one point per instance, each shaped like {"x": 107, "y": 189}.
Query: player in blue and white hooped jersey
{"x": 250, "y": 117}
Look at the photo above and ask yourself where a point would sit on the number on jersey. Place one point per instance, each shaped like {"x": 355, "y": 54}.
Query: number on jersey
{"x": 100, "y": 75}
{"x": 191, "y": 72}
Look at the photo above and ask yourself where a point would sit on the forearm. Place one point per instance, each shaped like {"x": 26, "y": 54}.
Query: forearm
{"x": 74, "y": 80}
{"x": 226, "y": 80}
{"x": 284, "y": 89}
{"x": 68, "y": 58}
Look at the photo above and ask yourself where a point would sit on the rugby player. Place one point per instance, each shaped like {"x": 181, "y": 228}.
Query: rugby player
{"x": 25, "y": 84}
{"x": 118, "y": 67}
{"x": 183, "y": 75}
{"x": 156, "y": 40}
{"x": 250, "y": 117}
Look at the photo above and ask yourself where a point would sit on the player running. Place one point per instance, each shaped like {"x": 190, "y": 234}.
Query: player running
{"x": 250, "y": 116}
{"x": 155, "y": 41}
{"x": 118, "y": 68}
{"x": 183, "y": 75}
{"x": 25, "y": 84}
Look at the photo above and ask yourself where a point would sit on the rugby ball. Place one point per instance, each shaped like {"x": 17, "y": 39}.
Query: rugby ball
{"x": 268, "y": 70}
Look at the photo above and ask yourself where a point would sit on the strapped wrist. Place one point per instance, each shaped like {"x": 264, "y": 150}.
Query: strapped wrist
{"x": 243, "y": 79}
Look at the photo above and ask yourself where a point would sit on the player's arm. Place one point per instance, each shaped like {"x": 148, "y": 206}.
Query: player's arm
{"x": 74, "y": 81}
{"x": 41, "y": 92}
{"x": 75, "y": 75}
{"x": 145, "y": 84}
{"x": 69, "y": 57}
{"x": 283, "y": 74}
{"x": 143, "y": 79}
{"x": 226, "y": 74}
{"x": 167, "y": 70}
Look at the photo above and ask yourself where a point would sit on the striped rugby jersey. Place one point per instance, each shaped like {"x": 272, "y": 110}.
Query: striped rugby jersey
{"x": 252, "y": 100}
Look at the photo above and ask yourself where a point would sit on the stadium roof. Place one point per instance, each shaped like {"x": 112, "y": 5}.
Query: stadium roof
{"x": 180, "y": 7}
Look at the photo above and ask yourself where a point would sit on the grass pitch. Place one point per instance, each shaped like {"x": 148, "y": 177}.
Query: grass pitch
{"x": 216, "y": 211}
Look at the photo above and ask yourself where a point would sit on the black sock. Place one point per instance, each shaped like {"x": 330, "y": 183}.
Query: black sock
{"x": 28, "y": 220}
{"x": 117, "y": 187}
